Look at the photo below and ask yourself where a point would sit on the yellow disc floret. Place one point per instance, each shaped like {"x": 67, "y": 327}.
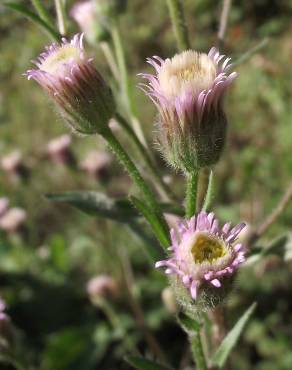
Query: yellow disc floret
{"x": 56, "y": 62}
{"x": 207, "y": 249}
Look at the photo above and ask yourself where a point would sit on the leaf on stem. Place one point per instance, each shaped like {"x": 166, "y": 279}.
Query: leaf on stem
{"x": 225, "y": 348}
{"x": 99, "y": 204}
{"x": 141, "y": 363}
{"x": 152, "y": 219}
{"x": 34, "y": 18}
{"x": 188, "y": 324}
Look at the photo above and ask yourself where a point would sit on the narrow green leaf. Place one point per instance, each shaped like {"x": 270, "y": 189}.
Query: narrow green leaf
{"x": 230, "y": 340}
{"x": 98, "y": 204}
{"x": 34, "y": 18}
{"x": 152, "y": 219}
{"x": 141, "y": 363}
{"x": 189, "y": 324}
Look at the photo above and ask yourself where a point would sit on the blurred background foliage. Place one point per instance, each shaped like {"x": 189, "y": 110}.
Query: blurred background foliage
{"x": 45, "y": 268}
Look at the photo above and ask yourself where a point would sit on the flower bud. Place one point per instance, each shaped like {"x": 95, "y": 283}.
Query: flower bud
{"x": 90, "y": 22}
{"x": 204, "y": 259}
{"x": 94, "y": 17}
{"x": 188, "y": 92}
{"x": 82, "y": 96}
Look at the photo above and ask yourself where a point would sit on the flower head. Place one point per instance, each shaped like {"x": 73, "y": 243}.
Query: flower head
{"x": 188, "y": 92}
{"x": 203, "y": 254}
{"x": 85, "y": 14}
{"x": 94, "y": 17}
{"x": 84, "y": 99}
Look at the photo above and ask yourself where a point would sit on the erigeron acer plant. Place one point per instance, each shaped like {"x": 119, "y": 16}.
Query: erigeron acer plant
{"x": 188, "y": 92}
{"x": 202, "y": 256}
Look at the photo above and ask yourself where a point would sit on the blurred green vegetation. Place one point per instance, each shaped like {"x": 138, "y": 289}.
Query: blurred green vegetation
{"x": 44, "y": 270}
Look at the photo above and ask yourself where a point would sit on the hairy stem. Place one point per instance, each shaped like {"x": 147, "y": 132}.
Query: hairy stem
{"x": 197, "y": 351}
{"x": 59, "y": 5}
{"x": 164, "y": 190}
{"x": 271, "y": 219}
{"x": 191, "y": 193}
{"x": 133, "y": 172}
{"x": 209, "y": 192}
{"x": 137, "y": 308}
{"x": 223, "y": 22}
{"x": 108, "y": 54}
{"x": 178, "y": 23}
{"x": 126, "y": 87}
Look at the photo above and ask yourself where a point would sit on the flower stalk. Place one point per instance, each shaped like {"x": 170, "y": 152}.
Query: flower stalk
{"x": 126, "y": 87}
{"x": 135, "y": 175}
{"x": 191, "y": 193}
{"x": 162, "y": 187}
{"x": 197, "y": 350}
{"x": 59, "y": 5}
{"x": 178, "y": 23}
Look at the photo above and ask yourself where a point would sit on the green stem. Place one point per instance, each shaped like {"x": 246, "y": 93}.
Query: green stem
{"x": 178, "y": 23}
{"x": 197, "y": 351}
{"x": 191, "y": 193}
{"x": 132, "y": 170}
{"x": 209, "y": 192}
{"x": 165, "y": 191}
{"x": 60, "y": 10}
{"x": 42, "y": 12}
{"x": 126, "y": 87}
{"x": 108, "y": 54}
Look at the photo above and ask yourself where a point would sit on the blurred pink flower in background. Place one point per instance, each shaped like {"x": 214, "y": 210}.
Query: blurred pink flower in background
{"x": 14, "y": 166}
{"x": 6, "y": 330}
{"x": 12, "y": 162}
{"x": 96, "y": 163}
{"x": 59, "y": 151}
{"x": 101, "y": 286}
{"x": 4, "y": 203}
{"x": 13, "y": 220}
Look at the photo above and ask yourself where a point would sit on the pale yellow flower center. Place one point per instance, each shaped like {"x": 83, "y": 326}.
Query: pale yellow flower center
{"x": 207, "y": 249}
{"x": 186, "y": 72}
{"x": 56, "y": 63}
